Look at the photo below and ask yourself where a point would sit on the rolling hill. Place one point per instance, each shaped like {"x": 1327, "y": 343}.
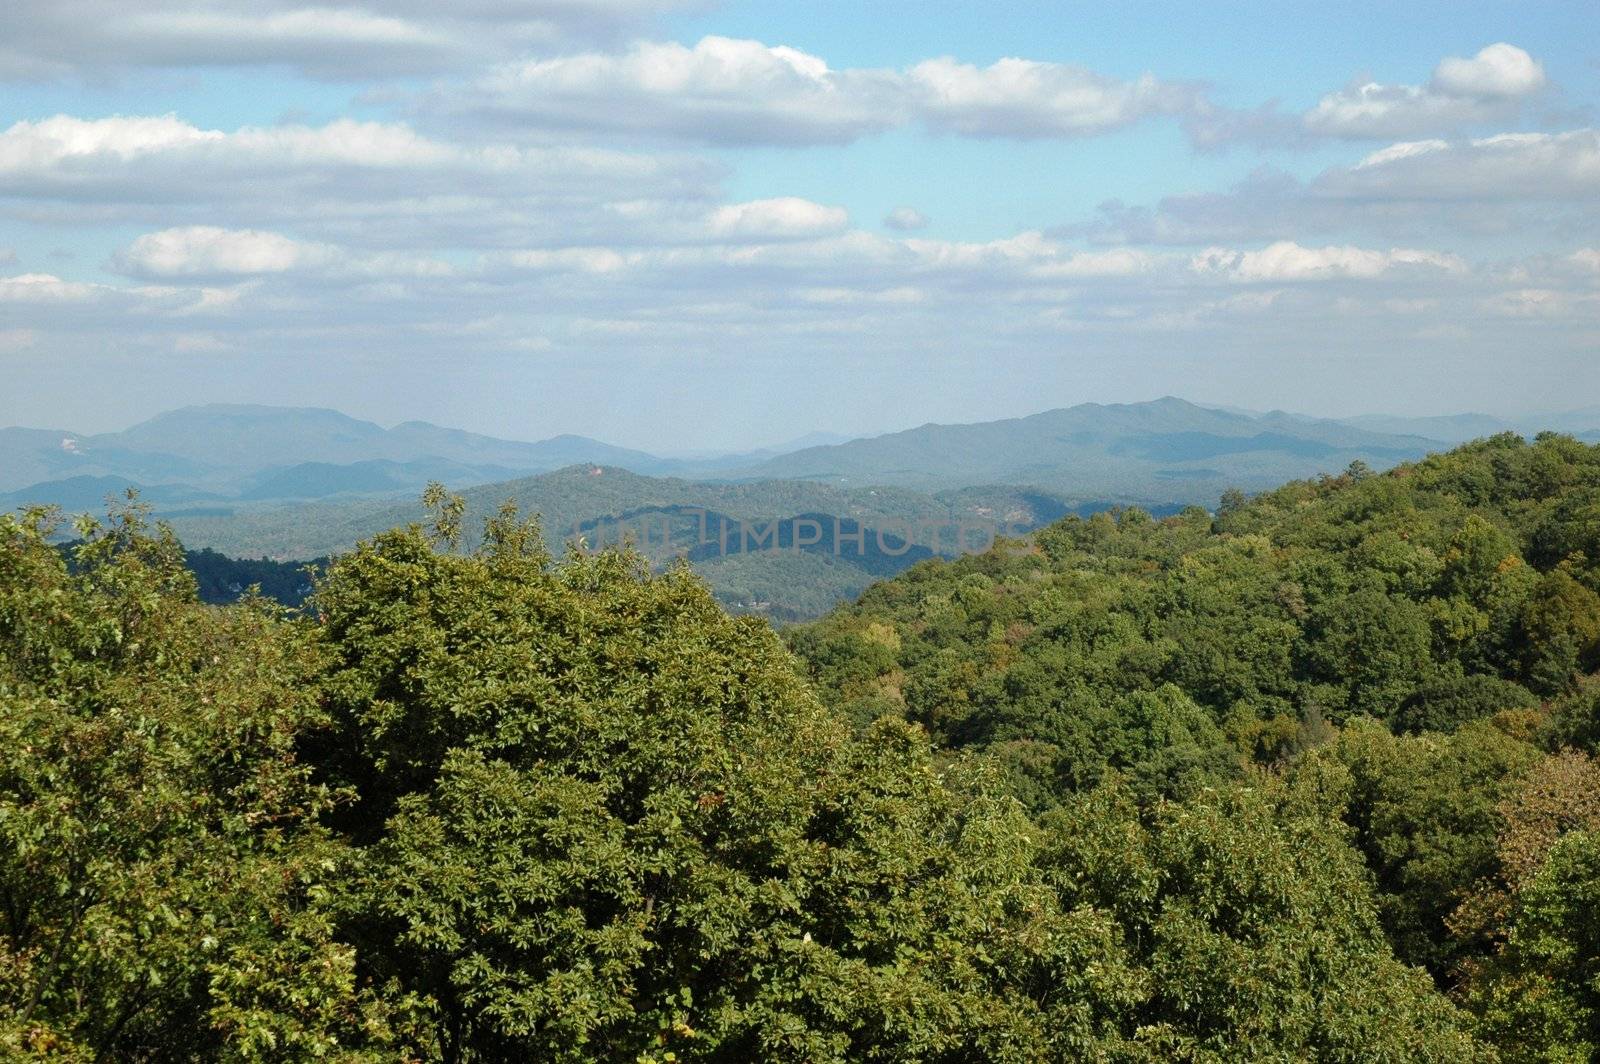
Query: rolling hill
{"x": 788, "y": 549}
{"x": 231, "y": 449}
{"x": 287, "y": 484}
{"x": 1163, "y": 451}
{"x": 570, "y": 501}
{"x": 1459, "y": 428}
{"x": 1168, "y": 450}
{"x": 90, "y": 494}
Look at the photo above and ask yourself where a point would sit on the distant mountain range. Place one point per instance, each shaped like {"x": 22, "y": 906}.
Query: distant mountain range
{"x": 1459, "y": 428}
{"x": 283, "y": 452}
{"x": 1168, "y": 450}
{"x": 1137, "y": 450}
{"x": 287, "y": 483}
{"x": 247, "y": 454}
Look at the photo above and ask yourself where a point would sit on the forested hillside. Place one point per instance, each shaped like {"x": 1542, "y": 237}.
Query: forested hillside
{"x": 1414, "y": 648}
{"x": 1311, "y": 778}
{"x": 1167, "y": 449}
{"x": 740, "y": 535}
{"x": 281, "y": 452}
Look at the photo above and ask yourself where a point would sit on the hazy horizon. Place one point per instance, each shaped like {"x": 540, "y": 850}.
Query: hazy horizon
{"x": 664, "y": 448}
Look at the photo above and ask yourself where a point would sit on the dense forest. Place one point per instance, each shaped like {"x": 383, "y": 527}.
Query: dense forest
{"x": 221, "y": 579}
{"x": 1310, "y": 778}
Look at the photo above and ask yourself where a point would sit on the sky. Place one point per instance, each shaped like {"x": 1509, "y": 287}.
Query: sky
{"x": 695, "y": 225}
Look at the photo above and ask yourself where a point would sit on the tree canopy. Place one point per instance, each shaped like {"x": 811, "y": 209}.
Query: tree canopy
{"x": 1310, "y": 778}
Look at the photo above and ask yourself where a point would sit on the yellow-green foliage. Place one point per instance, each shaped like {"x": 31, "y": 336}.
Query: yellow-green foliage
{"x": 488, "y": 805}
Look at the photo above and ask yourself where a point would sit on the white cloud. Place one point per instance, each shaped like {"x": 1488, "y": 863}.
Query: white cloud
{"x": 1367, "y": 110}
{"x": 42, "y": 295}
{"x": 1509, "y": 166}
{"x": 1288, "y": 261}
{"x": 204, "y": 251}
{"x": 857, "y": 267}
{"x": 731, "y": 91}
{"x": 1026, "y": 249}
{"x": 782, "y": 268}
{"x": 1028, "y": 99}
{"x": 580, "y": 259}
{"x": 307, "y": 241}
{"x": 786, "y": 296}
{"x": 1119, "y": 262}
{"x": 1430, "y": 190}
{"x": 905, "y": 219}
{"x": 42, "y": 288}
{"x": 787, "y": 216}
{"x": 721, "y": 90}
{"x": 67, "y": 146}
{"x": 903, "y": 295}
{"x": 347, "y": 181}
{"x": 37, "y": 146}
{"x": 1463, "y": 92}
{"x": 333, "y": 39}
{"x": 1498, "y": 71}
{"x": 1406, "y": 149}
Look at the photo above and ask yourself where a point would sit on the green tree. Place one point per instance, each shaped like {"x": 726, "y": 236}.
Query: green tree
{"x": 1254, "y": 921}
{"x": 1377, "y": 647}
{"x": 161, "y": 871}
{"x": 1560, "y": 631}
{"x": 1540, "y": 1000}
{"x": 1426, "y": 812}
{"x": 600, "y": 819}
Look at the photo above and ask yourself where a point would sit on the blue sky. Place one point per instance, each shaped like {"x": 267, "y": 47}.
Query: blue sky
{"x": 684, "y": 226}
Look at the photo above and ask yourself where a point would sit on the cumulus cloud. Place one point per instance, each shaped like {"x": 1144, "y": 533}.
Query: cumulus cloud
{"x": 494, "y": 216}
{"x": 210, "y": 252}
{"x": 347, "y": 181}
{"x": 1029, "y": 262}
{"x": 905, "y": 219}
{"x": 1120, "y": 262}
{"x": 721, "y": 90}
{"x": 1026, "y": 99}
{"x": 1499, "y": 71}
{"x": 1492, "y": 86}
{"x": 204, "y": 250}
{"x": 1017, "y": 286}
{"x": 1508, "y": 166}
{"x": 68, "y": 148}
{"x": 333, "y": 39}
{"x": 730, "y": 91}
{"x": 595, "y": 260}
{"x": 786, "y": 216}
{"x": 198, "y": 288}
{"x": 1288, "y": 261}
{"x": 903, "y": 295}
{"x": 847, "y": 266}
{"x": 42, "y": 288}
{"x": 37, "y": 301}
{"x": 1487, "y": 186}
